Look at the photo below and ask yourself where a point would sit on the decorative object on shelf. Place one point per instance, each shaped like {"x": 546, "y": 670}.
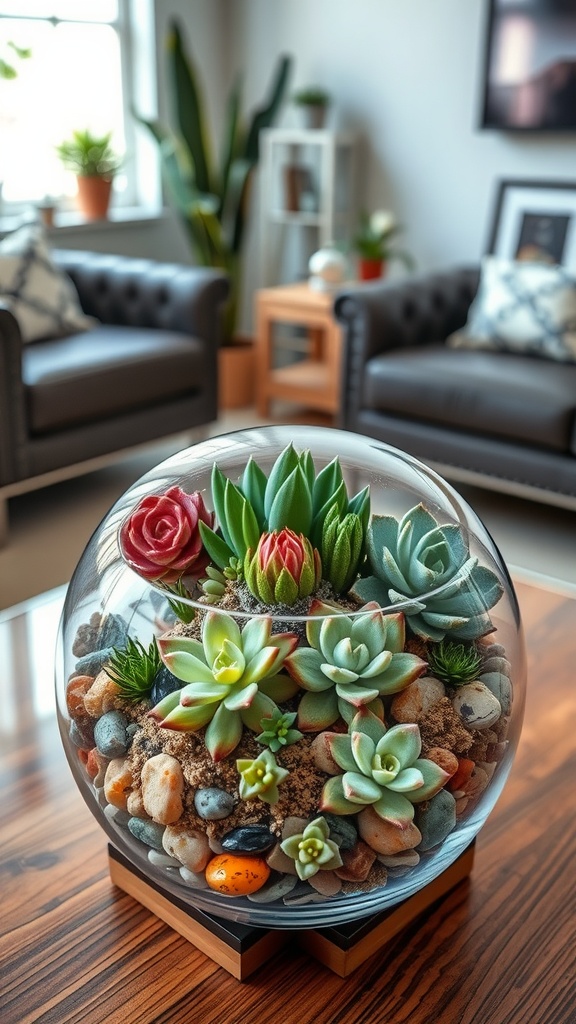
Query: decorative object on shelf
{"x": 94, "y": 162}
{"x": 314, "y": 103}
{"x": 328, "y": 268}
{"x": 246, "y": 676}
{"x": 212, "y": 201}
{"x": 373, "y": 242}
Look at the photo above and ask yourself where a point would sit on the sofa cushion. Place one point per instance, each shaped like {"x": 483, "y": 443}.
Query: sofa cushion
{"x": 522, "y": 307}
{"x": 92, "y": 377}
{"x": 518, "y": 397}
{"x": 40, "y": 296}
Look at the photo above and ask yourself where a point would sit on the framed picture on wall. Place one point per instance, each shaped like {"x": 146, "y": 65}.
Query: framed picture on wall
{"x": 529, "y": 81}
{"x": 535, "y": 220}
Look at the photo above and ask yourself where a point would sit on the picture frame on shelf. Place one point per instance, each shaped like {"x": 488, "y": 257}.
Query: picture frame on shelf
{"x": 535, "y": 220}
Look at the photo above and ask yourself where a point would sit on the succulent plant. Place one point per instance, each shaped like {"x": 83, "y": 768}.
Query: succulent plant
{"x": 277, "y": 731}
{"x": 382, "y": 768}
{"x": 261, "y": 777}
{"x": 454, "y": 664}
{"x": 182, "y": 610}
{"x": 231, "y": 676}
{"x": 134, "y": 668}
{"x": 417, "y": 558}
{"x": 161, "y": 540}
{"x": 292, "y": 496}
{"x": 312, "y": 850}
{"x": 342, "y": 548}
{"x": 283, "y": 568}
{"x": 351, "y": 661}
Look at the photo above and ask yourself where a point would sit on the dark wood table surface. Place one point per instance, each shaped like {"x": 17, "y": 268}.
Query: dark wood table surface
{"x": 500, "y": 949}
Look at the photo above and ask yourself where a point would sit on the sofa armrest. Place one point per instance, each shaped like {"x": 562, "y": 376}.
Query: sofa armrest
{"x": 12, "y": 424}
{"x": 422, "y": 310}
{"x": 146, "y": 293}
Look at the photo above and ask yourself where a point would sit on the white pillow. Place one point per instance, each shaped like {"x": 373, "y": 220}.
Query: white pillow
{"x": 39, "y": 294}
{"x": 522, "y": 307}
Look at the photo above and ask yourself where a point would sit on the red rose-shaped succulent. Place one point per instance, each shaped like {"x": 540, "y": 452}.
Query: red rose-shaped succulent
{"x": 161, "y": 538}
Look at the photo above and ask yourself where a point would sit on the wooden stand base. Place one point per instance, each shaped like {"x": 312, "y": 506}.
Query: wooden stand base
{"x": 241, "y": 949}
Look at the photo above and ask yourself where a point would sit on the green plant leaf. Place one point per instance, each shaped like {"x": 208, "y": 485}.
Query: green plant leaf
{"x": 223, "y": 733}
{"x": 217, "y": 548}
{"x": 286, "y": 462}
{"x": 188, "y": 106}
{"x": 333, "y": 799}
{"x": 253, "y": 487}
{"x": 265, "y": 116}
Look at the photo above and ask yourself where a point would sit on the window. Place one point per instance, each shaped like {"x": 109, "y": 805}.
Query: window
{"x": 83, "y": 72}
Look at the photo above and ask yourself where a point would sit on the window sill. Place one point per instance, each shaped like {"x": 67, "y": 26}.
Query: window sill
{"x": 71, "y": 222}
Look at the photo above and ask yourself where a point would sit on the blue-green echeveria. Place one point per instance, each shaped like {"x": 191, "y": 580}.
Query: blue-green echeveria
{"x": 351, "y": 661}
{"x": 232, "y": 679}
{"x": 382, "y": 768}
{"x": 429, "y": 570}
{"x": 312, "y": 850}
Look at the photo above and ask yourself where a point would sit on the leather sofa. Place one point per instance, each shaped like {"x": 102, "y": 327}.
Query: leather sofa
{"x": 501, "y": 420}
{"x": 146, "y": 371}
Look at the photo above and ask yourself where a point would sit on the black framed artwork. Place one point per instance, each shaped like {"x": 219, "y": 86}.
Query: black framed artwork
{"x": 529, "y": 81}
{"x": 535, "y": 220}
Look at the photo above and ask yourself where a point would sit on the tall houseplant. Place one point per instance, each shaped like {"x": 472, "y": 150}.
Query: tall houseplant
{"x": 211, "y": 196}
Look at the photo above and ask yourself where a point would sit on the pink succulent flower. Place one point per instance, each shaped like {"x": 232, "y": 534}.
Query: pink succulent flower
{"x": 161, "y": 538}
{"x": 284, "y": 567}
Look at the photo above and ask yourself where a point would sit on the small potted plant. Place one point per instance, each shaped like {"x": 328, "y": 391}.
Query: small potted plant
{"x": 94, "y": 162}
{"x": 373, "y": 243}
{"x": 314, "y": 103}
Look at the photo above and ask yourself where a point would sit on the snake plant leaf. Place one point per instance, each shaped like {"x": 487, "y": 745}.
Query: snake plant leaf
{"x": 231, "y": 140}
{"x": 188, "y": 107}
{"x": 266, "y": 115}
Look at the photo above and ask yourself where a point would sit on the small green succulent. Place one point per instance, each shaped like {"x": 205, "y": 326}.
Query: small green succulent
{"x": 382, "y": 768}
{"x": 417, "y": 558}
{"x": 182, "y": 610}
{"x": 277, "y": 731}
{"x": 232, "y": 679}
{"x": 134, "y": 668}
{"x": 312, "y": 850}
{"x": 342, "y": 547}
{"x": 283, "y": 568}
{"x": 292, "y": 496}
{"x": 454, "y": 664}
{"x": 351, "y": 661}
{"x": 261, "y": 777}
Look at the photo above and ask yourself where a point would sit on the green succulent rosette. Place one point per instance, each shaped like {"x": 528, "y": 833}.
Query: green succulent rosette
{"x": 416, "y": 558}
{"x": 312, "y": 850}
{"x": 260, "y": 777}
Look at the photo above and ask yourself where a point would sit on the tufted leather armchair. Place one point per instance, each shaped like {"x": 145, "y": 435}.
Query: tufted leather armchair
{"x": 506, "y": 421}
{"x": 146, "y": 371}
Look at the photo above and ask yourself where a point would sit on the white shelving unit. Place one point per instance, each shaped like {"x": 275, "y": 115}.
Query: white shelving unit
{"x": 307, "y": 185}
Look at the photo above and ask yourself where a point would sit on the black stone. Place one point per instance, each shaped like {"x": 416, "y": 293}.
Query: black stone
{"x": 164, "y": 683}
{"x": 248, "y": 839}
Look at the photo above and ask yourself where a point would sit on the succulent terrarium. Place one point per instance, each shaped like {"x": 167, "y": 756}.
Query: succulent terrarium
{"x": 291, "y": 681}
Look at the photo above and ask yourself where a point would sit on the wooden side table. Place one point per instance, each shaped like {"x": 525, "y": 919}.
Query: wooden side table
{"x": 315, "y": 380}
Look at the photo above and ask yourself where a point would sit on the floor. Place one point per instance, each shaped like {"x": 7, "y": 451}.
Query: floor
{"x": 49, "y": 528}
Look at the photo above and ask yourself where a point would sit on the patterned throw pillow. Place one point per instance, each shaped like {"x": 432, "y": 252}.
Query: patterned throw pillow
{"x": 522, "y": 307}
{"x": 41, "y": 297}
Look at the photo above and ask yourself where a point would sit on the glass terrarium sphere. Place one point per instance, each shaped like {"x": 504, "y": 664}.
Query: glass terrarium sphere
{"x": 291, "y": 675}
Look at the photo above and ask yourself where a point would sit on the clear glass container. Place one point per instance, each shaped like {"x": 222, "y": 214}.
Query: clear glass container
{"x": 463, "y": 702}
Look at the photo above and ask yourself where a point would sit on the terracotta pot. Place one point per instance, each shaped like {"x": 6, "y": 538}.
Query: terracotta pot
{"x": 93, "y": 196}
{"x": 236, "y": 374}
{"x": 369, "y": 270}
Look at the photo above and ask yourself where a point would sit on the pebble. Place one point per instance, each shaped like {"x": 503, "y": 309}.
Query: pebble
{"x": 301, "y": 895}
{"x": 82, "y": 733}
{"x": 436, "y": 820}
{"x": 195, "y": 881}
{"x": 497, "y": 664}
{"x": 342, "y": 831}
{"x": 165, "y": 682}
{"x": 92, "y": 664}
{"x": 75, "y": 691}
{"x": 322, "y": 756}
{"x": 500, "y": 686}
{"x": 162, "y": 860}
{"x": 233, "y": 875}
{"x": 416, "y": 700}
{"x": 445, "y": 759}
{"x": 101, "y": 696}
{"x": 135, "y": 804}
{"x": 189, "y": 847}
{"x": 384, "y": 837}
{"x": 114, "y": 814}
{"x": 148, "y": 832}
{"x": 113, "y": 631}
{"x": 404, "y": 859}
{"x": 274, "y": 889}
{"x": 476, "y": 784}
{"x": 247, "y": 839}
{"x": 356, "y": 863}
{"x": 96, "y": 766}
{"x": 118, "y": 782}
{"x": 280, "y": 861}
{"x": 461, "y": 775}
{"x": 110, "y": 734}
{"x": 213, "y": 804}
{"x": 163, "y": 788}
{"x": 326, "y": 882}
{"x": 477, "y": 706}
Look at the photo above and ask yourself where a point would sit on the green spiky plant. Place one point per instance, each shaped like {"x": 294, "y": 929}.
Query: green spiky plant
{"x": 454, "y": 664}
{"x": 212, "y": 201}
{"x": 134, "y": 668}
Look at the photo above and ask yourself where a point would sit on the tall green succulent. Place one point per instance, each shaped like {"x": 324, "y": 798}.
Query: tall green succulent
{"x": 212, "y": 201}
{"x": 417, "y": 558}
{"x": 232, "y": 679}
{"x": 351, "y": 661}
{"x": 381, "y": 768}
{"x": 292, "y": 496}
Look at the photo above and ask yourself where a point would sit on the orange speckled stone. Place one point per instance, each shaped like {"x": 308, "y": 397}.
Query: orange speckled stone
{"x": 233, "y": 875}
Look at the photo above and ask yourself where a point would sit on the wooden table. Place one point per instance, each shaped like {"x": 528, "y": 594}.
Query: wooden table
{"x": 500, "y": 949}
{"x": 314, "y": 381}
